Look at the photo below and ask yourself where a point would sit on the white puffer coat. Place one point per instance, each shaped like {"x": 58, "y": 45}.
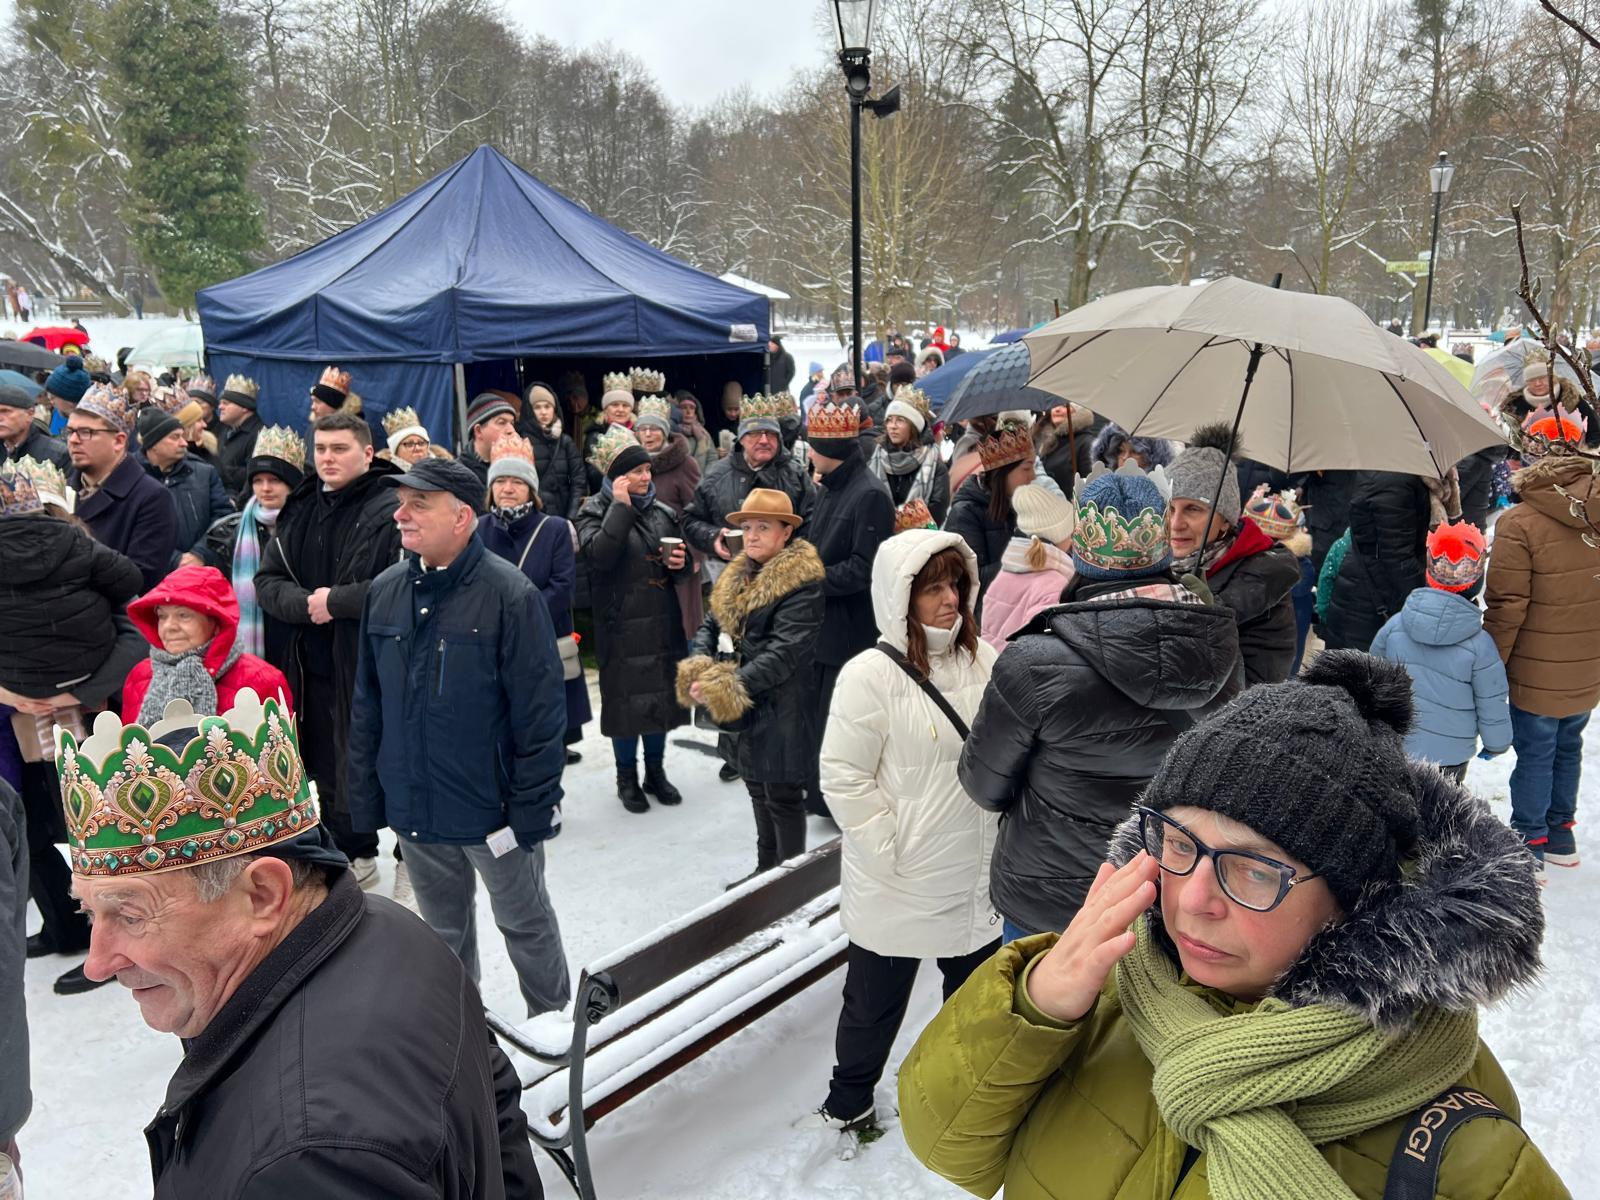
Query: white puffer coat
{"x": 916, "y": 849}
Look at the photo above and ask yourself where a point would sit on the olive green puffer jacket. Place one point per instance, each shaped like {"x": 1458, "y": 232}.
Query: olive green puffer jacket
{"x": 995, "y": 1092}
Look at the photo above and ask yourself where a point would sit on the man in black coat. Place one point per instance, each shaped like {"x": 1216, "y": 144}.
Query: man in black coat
{"x": 22, "y": 437}
{"x": 1387, "y": 559}
{"x": 236, "y": 410}
{"x": 195, "y": 487}
{"x": 780, "y": 365}
{"x": 336, "y": 533}
{"x": 306, "y": 1070}
{"x": 854, "y": 513}
{"x": 122, "y": 506}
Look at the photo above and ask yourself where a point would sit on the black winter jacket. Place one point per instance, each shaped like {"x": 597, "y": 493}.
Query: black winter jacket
{"x": 459, "y": 710}
{"x": 638, "y": 628}
{"x": 766, "y": 690}
{"x": 366, "y": 541}
{"x": 1327, "y": 497}
{"x": 1476, "y": 472}
{"x": 201, "y": 500}
{"x": 723, "y": 488}
{"x": 1256, "y": 589}
{"x": 287, "y": 1094}
{"x": 234, "y": 448}
{"x": 40, "y": 447}
{"x": 1081, "y": 709}
{"x": 134, "y": 515}
{"x": 1387, "y": 559}
{"x": 59, "y": 589}
{"x": 853, "y": 516}
{"x": 562, "y": 481}
{"x": 969, "y": 516}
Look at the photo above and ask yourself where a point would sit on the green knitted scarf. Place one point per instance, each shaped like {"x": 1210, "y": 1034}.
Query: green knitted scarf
{"x": 1258, "y": 1091}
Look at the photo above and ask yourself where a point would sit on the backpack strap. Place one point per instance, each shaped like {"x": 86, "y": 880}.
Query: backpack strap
{"x": 1414, "y": 1169}
{"x": 934, "y": 694}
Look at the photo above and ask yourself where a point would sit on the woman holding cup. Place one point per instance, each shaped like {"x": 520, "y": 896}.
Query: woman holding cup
{"x": 634, "y": 547}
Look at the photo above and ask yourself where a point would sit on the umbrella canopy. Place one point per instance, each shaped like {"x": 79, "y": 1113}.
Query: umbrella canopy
{"x": 175, "y": 346}
{"x": 1008, "y": 336}
{"x": 28, "y": 356}
{"x": 1501, "y": 373}
{"x": 937, "y": 384}
{"x": 996, "y": 384}
{"x": 53, "y": 337}
{"x": 1332, "y": 389}
{"x": 1459, "y": 367}
{"x": 17, "y": 379}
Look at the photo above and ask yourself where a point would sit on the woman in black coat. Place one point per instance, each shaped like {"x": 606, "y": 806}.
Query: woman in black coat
{"x": 752, "y": 667}
{"x": 540, "y": 545}
{"x": 1387, "y": 559}
{"x": 981, "y": 511}
{"x": 638, "y": 627}
{"x": 562, "y": 479}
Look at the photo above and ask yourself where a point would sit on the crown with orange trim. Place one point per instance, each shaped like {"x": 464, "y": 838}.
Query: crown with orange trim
{"x": 833, "y": 422}
{"x": 333, "y": 388}
{"x": 1007, "y": 445}
{"x": 1455, "y": 556}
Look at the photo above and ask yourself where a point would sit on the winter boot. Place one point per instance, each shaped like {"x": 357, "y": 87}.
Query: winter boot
{"x": 628, "y": 791}
{"x": 655, "y": 783}
{"x": 1562, "y": 848}
{"x": 823, "y": 1119}
{"x": 1536, "y": 847}
{"x": 728, "y": 773}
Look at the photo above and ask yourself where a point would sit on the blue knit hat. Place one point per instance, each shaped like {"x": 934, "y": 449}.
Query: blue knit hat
{"x": 1121, "y": 532}
{"x": 69, "y": 381}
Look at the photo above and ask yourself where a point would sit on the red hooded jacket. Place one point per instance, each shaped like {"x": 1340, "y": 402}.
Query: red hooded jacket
{"x": 206, "y": 591}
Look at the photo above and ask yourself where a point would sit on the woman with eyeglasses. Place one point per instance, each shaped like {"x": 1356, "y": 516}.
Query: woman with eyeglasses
{"x": 1272, "y": 989}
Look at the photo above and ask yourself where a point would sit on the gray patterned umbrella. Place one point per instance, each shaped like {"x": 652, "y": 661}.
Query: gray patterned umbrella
{"x": 997, "y": 384}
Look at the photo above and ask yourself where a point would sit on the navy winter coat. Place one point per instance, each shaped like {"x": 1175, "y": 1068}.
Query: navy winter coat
{"x": 200, "y": 499}
{"x": 134, "y": 515}
{"x": 1458, "y": 683}
{"x": 457, "y": 722}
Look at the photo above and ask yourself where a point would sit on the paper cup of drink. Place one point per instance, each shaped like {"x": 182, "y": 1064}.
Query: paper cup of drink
{"x": 669, "y": 545}
{"x": 733, "y": 539}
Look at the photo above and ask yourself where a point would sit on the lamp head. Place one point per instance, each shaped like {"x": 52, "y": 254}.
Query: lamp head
{"x": 1441, "y": 173}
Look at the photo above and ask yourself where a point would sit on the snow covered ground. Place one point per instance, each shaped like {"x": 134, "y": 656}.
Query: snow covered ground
{"x": 721, "y": 1128}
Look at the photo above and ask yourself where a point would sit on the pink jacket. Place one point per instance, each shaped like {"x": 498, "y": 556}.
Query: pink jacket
{"x": 1017, "y": 596}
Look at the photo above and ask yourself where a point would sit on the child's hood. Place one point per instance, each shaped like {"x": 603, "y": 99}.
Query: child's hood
{"x": 1436, "y": 618}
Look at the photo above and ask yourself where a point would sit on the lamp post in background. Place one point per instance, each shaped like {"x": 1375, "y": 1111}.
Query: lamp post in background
{"x": 1439, "y": 177}
{"x": 853, "y": 19}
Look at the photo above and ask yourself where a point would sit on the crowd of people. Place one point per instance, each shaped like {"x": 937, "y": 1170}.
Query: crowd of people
{"x": 991, "y": 656}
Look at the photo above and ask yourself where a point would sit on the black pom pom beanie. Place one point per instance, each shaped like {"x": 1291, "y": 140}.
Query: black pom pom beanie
{"x": 1316, "y": 764}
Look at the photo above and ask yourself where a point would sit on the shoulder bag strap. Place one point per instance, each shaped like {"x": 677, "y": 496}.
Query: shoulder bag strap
{"x": 532, "y": 538}
{"x": 926, "y": 685}
{"x": 1414, "y": 1169}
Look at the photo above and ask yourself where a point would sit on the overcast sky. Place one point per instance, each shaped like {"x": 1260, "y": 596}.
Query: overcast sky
{"x": 696, "y": 49}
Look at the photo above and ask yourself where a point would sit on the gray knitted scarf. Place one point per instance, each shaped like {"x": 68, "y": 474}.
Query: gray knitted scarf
{"x": 183, "y": 677}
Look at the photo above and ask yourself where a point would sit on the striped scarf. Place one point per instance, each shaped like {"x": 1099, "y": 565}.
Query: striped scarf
{"x": 246, "y": 561}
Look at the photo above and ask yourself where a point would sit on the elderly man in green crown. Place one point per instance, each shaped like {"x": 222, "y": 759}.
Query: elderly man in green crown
{"x": 314, "y": 1063}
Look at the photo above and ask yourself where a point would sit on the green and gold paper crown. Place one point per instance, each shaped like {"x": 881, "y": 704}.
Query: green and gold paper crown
{"x": 786, "y": 404}
{"x": 762, "y": 407}
{"x": 608, "y": 445}
{"x": 647, "y": 382}
{"x": 135, "y": 807}
{"x": 1107, "y": 539}
{"x": 47, "y": 480}
{"x": 654, "y": 406}
{"x": 279, "y": 441}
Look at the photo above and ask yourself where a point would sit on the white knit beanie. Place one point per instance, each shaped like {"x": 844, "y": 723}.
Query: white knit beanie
{"x": 1043, "y": 514}
{"x": 899, "y": 408}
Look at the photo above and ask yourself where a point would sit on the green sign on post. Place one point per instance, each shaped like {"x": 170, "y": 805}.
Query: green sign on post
{"x": 1418, "y": 266}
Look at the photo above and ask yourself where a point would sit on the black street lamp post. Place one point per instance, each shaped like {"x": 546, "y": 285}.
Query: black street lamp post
{"x": 1439, "y": 177}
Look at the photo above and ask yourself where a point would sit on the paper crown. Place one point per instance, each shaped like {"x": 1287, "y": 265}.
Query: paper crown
{"x": 136, "y": 807}
{"x": 18, "y": 493}
{"x": 110, "y": 404}
{"x": 762, "y": 407}
{"x": 785, "y": 404}
{"x": 1008, "y": 444}
{"x": 916, "y": 398}
{"x": 658, "y": 407}
{"x": 646, "y": 382}
{"x": 1106, "y": 539}
{"x": 1278, "y": 516}
{"x": 202, "y": 385}
{"x": 511, "y": 446}
{"x": 1550, "y": 433}
{"x": 241, "y": 385}
{"x": 281, "y": 442}
{"x": 616, "y": 381}
{"x": 178, "y": 404}
{"x": 831, "y": 421}
{"x": 400, "y": 418}
{"x": 608, "y": 445}
{"x": 46, "y": 479}
{"x": 1455, "y": 556}
{"x": 334, "y": 386}
{"x": 913, "y": 514}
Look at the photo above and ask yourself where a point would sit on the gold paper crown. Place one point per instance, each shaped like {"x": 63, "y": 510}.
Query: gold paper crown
{"x": 785, "y": 404}
{"x": 1008, "y": 444}
{"x": 110, "y": 404}
{"x": 645, "y": 381}
{"x": 397, "y": 419}
{"x": 336, "y": 379}
{"x": 913, "y": 514}
{"x": 281, "y": 442}
{"x": 18, "y": 494}
{"x": 241, "y": 385}
{"x": 202, "y": 385}
{"x": 136, "y": 807}
{"x": 46, "y": 479}
{"x": 616, "y": 381}
{"x": 1107, "y": 539}
{"x": 1278, "y": 516}
{"x": 608, "y": 445}
{"x": 511, "y": 446}
{"x": 916, "y": 398}
{"x": 655, "y": 406}
{"x": 832, "y": 421}
{"x": 761, "y": 407}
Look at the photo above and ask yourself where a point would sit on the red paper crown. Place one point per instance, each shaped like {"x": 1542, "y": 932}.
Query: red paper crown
{"x": 1010, "y": 444}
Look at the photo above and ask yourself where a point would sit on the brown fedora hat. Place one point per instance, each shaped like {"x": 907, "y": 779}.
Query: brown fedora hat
{"x": 768, "y": 503}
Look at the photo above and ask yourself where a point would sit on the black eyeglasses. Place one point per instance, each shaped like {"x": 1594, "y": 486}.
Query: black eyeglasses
{"x": 1250, "y": 880}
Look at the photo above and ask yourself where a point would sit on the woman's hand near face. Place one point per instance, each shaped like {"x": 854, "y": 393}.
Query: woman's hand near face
{"x": 622, "y": 489}
{"x": 1066, "y": 981}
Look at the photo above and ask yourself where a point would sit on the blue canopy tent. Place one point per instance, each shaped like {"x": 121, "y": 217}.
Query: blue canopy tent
{"x": 481, "y": 264}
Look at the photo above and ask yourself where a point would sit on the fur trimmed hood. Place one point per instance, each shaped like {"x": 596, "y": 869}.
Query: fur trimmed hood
{"x": 1461, "y": 928}
{"x": 739, "y": 591}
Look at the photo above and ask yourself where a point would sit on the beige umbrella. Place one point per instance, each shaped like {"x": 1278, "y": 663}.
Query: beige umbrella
{"x": 1309, "y": 381}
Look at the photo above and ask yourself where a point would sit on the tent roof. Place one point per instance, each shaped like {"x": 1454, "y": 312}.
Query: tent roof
{"x": 481, "y": 262}
{"x": 750, "y": 285}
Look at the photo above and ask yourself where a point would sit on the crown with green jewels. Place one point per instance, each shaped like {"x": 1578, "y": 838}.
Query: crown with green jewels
{"x": 279, "y": 441}
{"x": 762, "y": 407}
{"x": 654, "y": 406}
{"x": 136, "y": 807}
{"x": 786, "y": 404}
{"x": 47, "y": 481}
{"x": 1110, "y": 540}
{"x": 608, "y": 445}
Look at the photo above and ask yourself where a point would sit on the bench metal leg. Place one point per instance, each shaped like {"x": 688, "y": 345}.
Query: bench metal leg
{"x": 564, "y": 1161}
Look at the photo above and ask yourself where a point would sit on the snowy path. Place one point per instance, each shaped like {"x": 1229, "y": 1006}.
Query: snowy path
{"x": 720, "y": 1129}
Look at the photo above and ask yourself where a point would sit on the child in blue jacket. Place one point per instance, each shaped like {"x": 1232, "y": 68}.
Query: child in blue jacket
{"x": 1458, "y": 682}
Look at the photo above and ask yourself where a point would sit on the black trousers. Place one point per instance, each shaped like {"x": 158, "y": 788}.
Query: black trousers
{"x": 877, "y": 989}
{"x": 49, "y": 877}
{"x": 826, "y": 676}
{"x": 780, "y": 821}
{"x": 324, "y": 761}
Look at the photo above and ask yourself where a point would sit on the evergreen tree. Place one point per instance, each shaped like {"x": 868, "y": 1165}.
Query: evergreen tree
{"x": 184, "y": 103}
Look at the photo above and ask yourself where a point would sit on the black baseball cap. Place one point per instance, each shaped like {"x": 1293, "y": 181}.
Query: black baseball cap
{"x": 443, "y": 475}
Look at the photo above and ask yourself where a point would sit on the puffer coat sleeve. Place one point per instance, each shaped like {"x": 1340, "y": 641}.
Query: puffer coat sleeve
{"x": 1490, "y": 693}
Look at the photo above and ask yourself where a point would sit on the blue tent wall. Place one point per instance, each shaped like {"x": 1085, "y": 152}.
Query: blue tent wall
{"x": 286, "y": 390}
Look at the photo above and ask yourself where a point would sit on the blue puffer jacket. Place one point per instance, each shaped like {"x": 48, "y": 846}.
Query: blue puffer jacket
{"x": 1457, "y": 680}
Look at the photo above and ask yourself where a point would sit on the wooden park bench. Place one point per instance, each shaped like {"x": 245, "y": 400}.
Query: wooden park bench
{"x": 672, "y": 996}
{"x": 69, "y": 310}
